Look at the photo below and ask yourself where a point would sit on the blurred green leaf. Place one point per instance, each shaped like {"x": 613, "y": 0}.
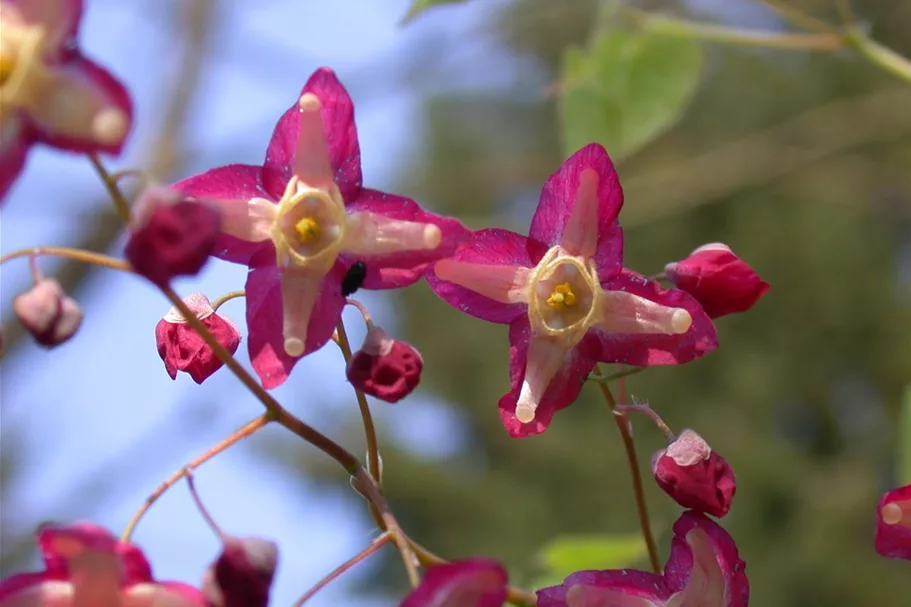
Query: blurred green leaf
{"x": 569, "y": 553}
{"x": 419, "y": 6}
{"x": 627, "y": 89}
{"x": 904, "y": 440}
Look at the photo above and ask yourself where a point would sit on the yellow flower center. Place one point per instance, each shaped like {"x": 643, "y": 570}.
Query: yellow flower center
{"x": 562, "y": 297}
{"x": 7, "y": 66}
{"x": 307, "y": 229}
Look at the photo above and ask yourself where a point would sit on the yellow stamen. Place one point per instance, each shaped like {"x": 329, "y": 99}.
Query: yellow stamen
{"x": 562, "y": 297}
{"x": 7, "y": 65}
{"x": 307, "y": 229}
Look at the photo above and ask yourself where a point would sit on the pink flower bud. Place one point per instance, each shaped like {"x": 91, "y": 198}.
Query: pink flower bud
{"x": 48, "y": 313}
{"x": 242, "y": 575}
{"x": 695, "y": 476}
{"x": 182, "y": 349}
{"x": 171, "y": 236}
{"x": 719, "y": 280}
{"x": 893, "y": 527}
{"x": 468, "y": 583}
{"x": 384, "y": 367}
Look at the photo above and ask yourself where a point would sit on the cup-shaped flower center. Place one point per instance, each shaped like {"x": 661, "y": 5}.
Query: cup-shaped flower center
{"x": 563, "y": 292}
{"x": 309, "y": 226}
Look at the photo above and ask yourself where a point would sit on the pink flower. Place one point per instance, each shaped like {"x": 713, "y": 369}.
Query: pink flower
{"x": 694, "y": 475}
{"x": 719, "y": 280}
{"x": 386, "y": 368}
{"x": 468, "y": 583}
{"x": 49, "y": 92}
{"x": 171, "y": 236}
{"x": 49, "y": 314}
{"x": 242, "y": 574}
{"x": 566, "y": 296}
{"x": 182, "y": 349}
{"x": 893, "y": 526}
{"x": 703, "y": 570}
{"x": 86, "y": 565}
{"x": 303, "y": 218}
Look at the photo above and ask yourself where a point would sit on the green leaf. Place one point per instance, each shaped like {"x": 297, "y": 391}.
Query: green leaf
{"x": 626, "y": 89}
{"x": 569, "y": 553}
{"x": 904, "y": 440}
{"x": 419, "y": 6}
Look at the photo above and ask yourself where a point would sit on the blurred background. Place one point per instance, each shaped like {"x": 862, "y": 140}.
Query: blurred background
{"x": 798, "y": 159}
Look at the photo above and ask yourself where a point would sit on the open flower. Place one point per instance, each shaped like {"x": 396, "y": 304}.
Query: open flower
{"x": 893, "y": 528}
{"x": 566, "y": 296}
{"x": 49, "y": 92}
{"x": 85, "y": 565}
{"x": 703, "y": 570}
{"x": 468, "y": 583}
{"x": 303, "y": 219}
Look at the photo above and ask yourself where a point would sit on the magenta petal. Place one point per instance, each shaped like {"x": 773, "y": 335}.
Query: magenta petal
{"x": 468, "y": 583}
{"x": 136, "y": 568}
{"x": 401, "y": 269}
{"x": 644, "y": 350}
{"x": 628, "y": 582}
{"x": 264, "y": 318}
{"x": 234, "y": 181}
{"x": 563, "y": 389}
{"x": 894, "y": 540}
{"x": 492, "y": 247}
{"x": 341, "y": 136}
{"x": 13, "y": 152}
{"x": 680, "y": 563}
{"x": 559, "y": 193}
{"x": 61, "y": 18}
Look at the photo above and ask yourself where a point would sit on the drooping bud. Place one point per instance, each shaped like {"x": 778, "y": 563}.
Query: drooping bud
{"x": 171, "y": 236}
{"x": 386, "y": 368}
{"x": 48, "y": 313}
{"x": 242, "y": 574}
{"x": 182, "y": 349}
{"x": 893, "y": 526}
{"x": 719, "y": 280}
{"x": 694, "y": 475}
{"x": 468, "y": 583}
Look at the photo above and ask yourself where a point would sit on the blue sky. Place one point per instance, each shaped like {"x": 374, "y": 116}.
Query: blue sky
{"x": 103, "y": 403}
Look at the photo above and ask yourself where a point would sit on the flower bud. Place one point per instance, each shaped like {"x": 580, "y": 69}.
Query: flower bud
{"x": 893, "y": 526}
{"x": 384, "y": 367}
{"x": 48, "y": 313}
{"x": 695, "y": 476}
{"x": 242, "y": 574}
{"x": 719, "y": 280}
{"x": 171, "y": 236}
{"x": 468, "y": 583}
{"x": 182, "y": 349}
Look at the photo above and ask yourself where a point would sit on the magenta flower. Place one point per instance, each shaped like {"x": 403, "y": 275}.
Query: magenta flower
{"x": 703, "y": 570}
{"x": 566, "y": 296}
{"x": 49, "y": 92}
{"x": 303, "y": 219}
{"x": 694, "y": 475}
{"x": 468, "y": 583}
{"x": 893, "y": 527}
{"x": 86, "y": 565}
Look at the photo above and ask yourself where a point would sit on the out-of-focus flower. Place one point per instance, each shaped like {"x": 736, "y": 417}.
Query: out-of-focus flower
{"x": 47, "y": 313}
{"x": 386, "y": 368}
{"x": 468, "y": 583}
{"x": 695, "y": 475}
{"x": 704, "y": 570}
{"x": 719, "y": 280}
{"x": 242, "y": 574}
{"x": 182, "y": 349}
{"x": 566, "y": 296}
{"x": 171, "y": 235}
{"x": 86, "y": 566}
{"x": 303, "y": 219}
{"x": 49, "y": 92}
{"x": 893, "y": 527}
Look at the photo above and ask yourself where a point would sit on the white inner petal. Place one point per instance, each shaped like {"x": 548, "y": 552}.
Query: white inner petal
{"x": 580, "y": 236}
{"x": 300, "y": 290}
{"x": 545, "y": 359}
{"x": 622, "y": 312}
{"x": 375, "y": 234}
{"x": 505, "y": 284}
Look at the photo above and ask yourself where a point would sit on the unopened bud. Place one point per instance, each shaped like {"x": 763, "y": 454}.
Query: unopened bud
{"x": 386, "y": 368}
{"x": 695, "y": 476}
{"x": 242, "y": 575}
{"x": 48, "y": 313}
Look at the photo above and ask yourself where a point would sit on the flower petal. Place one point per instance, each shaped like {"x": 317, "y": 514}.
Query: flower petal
{"x": 337, "y": 111}
{"x": 579, "y": 206}
{"x": 79, "y": 106}
{"x": 162, "y": 594}
{"x": 247, "y": 220}
{"x": 618, "y": 588}
{"x": 15, "y": 141}
{"x": 92, "y": 562}
{"x": 703, "y": 556}
{"x": 562, "y": 389}
{"x": 238, "y": 182}
{"x": 265, "y": 319}
{"x": 893, "y": 528}
{"x": 468, "y": 583}
{"x": 490, "y": 247}
{"x": 35, "y": 590}
{"x": 644, "y": 350}
{"x": 60, "y": 18}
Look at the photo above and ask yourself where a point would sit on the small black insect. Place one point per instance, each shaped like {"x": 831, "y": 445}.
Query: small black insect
{"x": 354, "y": 278}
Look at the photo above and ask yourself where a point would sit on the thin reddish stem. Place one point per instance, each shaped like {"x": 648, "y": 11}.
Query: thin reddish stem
{"x": 117, "y": 197}
{"x": 219, "y": 302}
{"x": 203, "y": 511}
{"x": 362, "y": 309}
{"x": 357, "y": 558}
{"x": 80, "y": 255}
